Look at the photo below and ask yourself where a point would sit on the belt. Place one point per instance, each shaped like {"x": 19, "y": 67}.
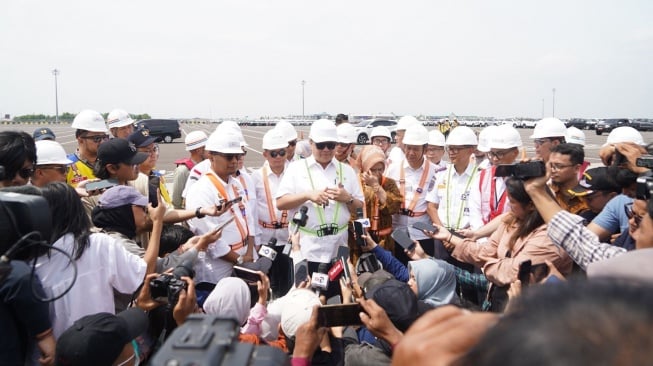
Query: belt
{"x": 382, "y": 232}
{"x": 410, "y": 213}
{"x": 272, "y": 225}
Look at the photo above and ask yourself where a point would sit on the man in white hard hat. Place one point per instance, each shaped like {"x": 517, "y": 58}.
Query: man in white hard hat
{"x": 381, "y": 137}
{"x": 120, "y": 123}
{"x": 397, "y": 152}
{"x": 90, "y": 132}
{"x": 448, "y": 202}
{"x": 288, "y": 130}
{"x": 488, "y": 197}
{"x": 52, "y": 163}
{"x": 415, "y": 176}
{"x": 484, "y": 137}
{"x": 548, "y": 133}
{"x": 435, "y": 150}
{"x": 218, "y": 187}
{"x": 272, "y": 222}
{"x": 577, "y": 136}
{"x": 195, "y": 142}
{"x": 328, "y": 189}
{"x": 345, "y": 144}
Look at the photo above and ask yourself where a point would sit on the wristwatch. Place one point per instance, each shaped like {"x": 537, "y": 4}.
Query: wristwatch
{"x": 240, "y": 259}
{"x": 198, "y": 213}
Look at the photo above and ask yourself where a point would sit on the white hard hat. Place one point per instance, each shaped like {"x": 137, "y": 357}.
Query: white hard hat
{"x": 50, "y": 152}
{"x": 287, "y": 129}
{"x": 575, "y": 136}
{"x": 195, "y": 140}
{"x": 274, "y": 140}
{"x": 504, "y": 137}
{"x": 381, "y": 131}
{"x": 484, "y": 138}
{"x": 323, "y": 130}
{"x": 119, "y": 118}
{"x": 462, "y": 135}
{"x": 416, "y": 134}
{"x": 406, "y": 121}
{"x": 549, "y": 127}
{"x": 232, "y": 126}
{"x": 625, "y": 134}
{"x": 89, "y": 120}
{"x": 226, "y": 142}
{"x": 436, "y": 138}
{"x": 346, "y": 133}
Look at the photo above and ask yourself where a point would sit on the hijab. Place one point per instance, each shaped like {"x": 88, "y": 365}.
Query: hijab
{"x": 436, "y": 281}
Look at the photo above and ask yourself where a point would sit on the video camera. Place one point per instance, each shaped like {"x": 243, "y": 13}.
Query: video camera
{"x": 167, "y": 286}
{"x": 644, "y": 188}
{"x": 522, "y": 171}
{"x": 210, "y": 340}
{"x": 645, "y": 161}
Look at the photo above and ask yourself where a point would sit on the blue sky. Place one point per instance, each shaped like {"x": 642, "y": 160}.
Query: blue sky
{"x": 247, "y": 58}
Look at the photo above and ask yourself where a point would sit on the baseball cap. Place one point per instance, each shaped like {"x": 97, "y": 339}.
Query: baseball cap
{"x": 368, "y": 280}
{"x": 398, "y": 301}
{"x": 195, "y": 140}
{"x": 141, "y": 138}
{"x": 121, "y": 196}
{"x": 120, "y": 151}
{"x": 99, "y": 339}
{"x": 323, "y": 130}
{"x": 43, "y": 134}
{"x": 595, "y": 179}
{"x": 50, "y": 152}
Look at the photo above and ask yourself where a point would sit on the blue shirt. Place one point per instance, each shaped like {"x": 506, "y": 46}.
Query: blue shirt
{"x": 613, "y": 216}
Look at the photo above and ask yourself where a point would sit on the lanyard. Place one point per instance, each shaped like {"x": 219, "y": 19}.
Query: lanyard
{"x": 244, "y": 231}
{"x": 420, "y": 187}
{"x": 320, "y": 209}
{"x": 462, "y": 204}
{"x": 271, "y": 208}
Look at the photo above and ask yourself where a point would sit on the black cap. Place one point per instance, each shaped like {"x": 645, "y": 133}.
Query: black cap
{"x": 119, "y": 151}
{"x": 43, "y": 133}
{"x": 398, "y": 301}
{"x": 141, "y": 138}
{"x": 99, "y": 339}
{"x": 595, "y": 179}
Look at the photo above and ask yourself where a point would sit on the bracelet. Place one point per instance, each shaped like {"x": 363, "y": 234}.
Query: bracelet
{"x": 198, "y": 213}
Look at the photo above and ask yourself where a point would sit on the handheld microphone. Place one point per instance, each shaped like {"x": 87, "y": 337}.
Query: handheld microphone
{"x": 320, "y": 279}
{"x": 336, "y": 270}
{"x": 267, "y": 255}
{"x": 300, "y": 217}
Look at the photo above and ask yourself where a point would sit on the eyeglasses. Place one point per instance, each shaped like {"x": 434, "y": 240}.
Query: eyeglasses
{"x": 229, "y": 157}
{"x": 328, "y": 145}
{"x": 154, "y": 150}
{"x": 500, "y": 154}
{"x": 292, "y": 143}
{"x": 558, "y": 167}
{"x": 381, "y": 141}
{"x": 434, "y": 149}
{"x": 342, "y": 144}
{"x": 456, "y": 149}
{"x": 26, "y": 172}
{"x": 628, "y": 207}
{"x": 541, "y": 141}
{"x": 274, "y": 154}
{"x": 58, "y": 168}
{"x": 96, "y": 138}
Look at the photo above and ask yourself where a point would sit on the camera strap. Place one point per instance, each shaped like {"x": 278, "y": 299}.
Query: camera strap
{"x": 244, "y": 231}
{"x": 271, "y": 207}
{"x": 420, "y": 187}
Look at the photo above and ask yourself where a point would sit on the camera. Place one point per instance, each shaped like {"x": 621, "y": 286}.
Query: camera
{"x": 167, "y": 286}
{"x": 645, "y": 161}
{"x": 644, "y": 188}
{"x": 522, "y": 171}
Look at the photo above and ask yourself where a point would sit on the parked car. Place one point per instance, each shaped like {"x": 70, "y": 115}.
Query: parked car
{"x": 364, "y": 128}
{"x": 642, "y": 125}
{"x": 165, "y": 130}
{"x": 579, "y": 123}
{"x": 610, "y": 124}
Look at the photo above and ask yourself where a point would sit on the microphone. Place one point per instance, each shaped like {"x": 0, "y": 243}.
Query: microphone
{"x": 359, "y": 227}
{"x": 336, "y": 270}
{"x": 299, "y": 219}
{"x": 320, "y": 279}
{"x": 267, "y": 255}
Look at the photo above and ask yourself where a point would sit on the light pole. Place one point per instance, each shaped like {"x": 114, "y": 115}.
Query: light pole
{"x": 303, "y": 83}
{"x": 55, "y": 72}
{"x": 554, "y": 102}
{"x": 542, "y": 108}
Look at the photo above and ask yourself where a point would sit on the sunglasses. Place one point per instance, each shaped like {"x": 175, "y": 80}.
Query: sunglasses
{"x": 96, "y": 138}
{"x": 26, "y": 172}
{"x": 541, "y": 141}
{"x": 229, "y": 157}
{"x": 61, "y": 169}
{"x": 328, "y": 145}
{"x": 292, "y": 143}
{"x": 274, "y": 154}
{"x": 631, "y": 214}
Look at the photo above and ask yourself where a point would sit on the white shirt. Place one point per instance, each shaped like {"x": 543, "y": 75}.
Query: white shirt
{"x": 104, "y": 266}
{"x": 451, "y": 194}
{"x": 412, "y": 178}
{"x": 198, "y": 170}
{"x": 297, "y": 179}
{"x": 396, "y": 155}
{"x": 480, "y": 197}
{"x": 262, "y": 208}
{"x": 209, "y": 267}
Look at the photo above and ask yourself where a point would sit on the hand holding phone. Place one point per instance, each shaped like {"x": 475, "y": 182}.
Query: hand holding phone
{"x": 426, "y": 227}
{"x": 402, "y": 238}
{"x": 246, "y": 274}
{"x": 221, "y": 226}
{"x": 101, "y": 184}
{"x": 339, "y": 315}
{"x": 524, "y": 275}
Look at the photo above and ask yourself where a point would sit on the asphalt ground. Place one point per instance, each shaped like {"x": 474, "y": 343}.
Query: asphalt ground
{"x": 254, "y": 135}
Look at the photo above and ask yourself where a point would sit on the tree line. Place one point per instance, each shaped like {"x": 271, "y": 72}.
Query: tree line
{"x": 67, "y": 117}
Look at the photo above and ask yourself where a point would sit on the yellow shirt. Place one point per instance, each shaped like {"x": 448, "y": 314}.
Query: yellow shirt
{"x": 78, "y": 171}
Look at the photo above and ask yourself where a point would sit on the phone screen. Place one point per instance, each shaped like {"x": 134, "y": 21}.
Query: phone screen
{"x": 301, "y": 272}
{"x": 358, "y": 229}
{"x": 339, "y": 315}
{"x": 103, "y": 184}
{"x": 524, "y": 274}
{"x": 402, "y": 238}
{"x": 424, "y": 226}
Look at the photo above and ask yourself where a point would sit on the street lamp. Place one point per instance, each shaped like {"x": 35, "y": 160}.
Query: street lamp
{"x": 303, "y": 83}
{"x": 542, "y": 108}
{"x": 55, "y": 72}
{"x": 554, "y": 102}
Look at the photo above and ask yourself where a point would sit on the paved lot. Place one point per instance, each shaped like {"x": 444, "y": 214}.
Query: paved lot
{"x": 254, "y": 135}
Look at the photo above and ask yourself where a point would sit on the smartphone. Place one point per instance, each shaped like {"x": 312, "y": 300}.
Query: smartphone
{"x": 334, "y": 300}
{"x": 248, "y": 275}
{"x": 103, "y": 184}
{"x": 301, "y": 272}
{"x": 425, "y": 226}
{"x": 223, "y": 224}
{"x": 153, "y": 186}
{"x": 540, "y": 271}
{"x": 230, "y": 202}
{"x": 524, "y": 274}
{"x": 402, "y": 238}
{"x": 339, "y": 315}
{"x": 360, "y": 231}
